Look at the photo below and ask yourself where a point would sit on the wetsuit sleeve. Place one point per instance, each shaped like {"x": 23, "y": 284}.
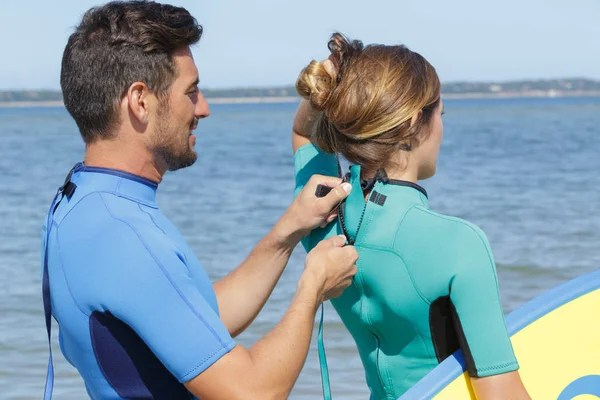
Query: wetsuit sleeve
{"x": 308, "y": 161}
{"x": 150, "y": 289}
{"x": 474, "y": 294}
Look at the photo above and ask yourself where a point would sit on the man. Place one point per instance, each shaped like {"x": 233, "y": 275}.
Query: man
{"x": 138, "y": 315}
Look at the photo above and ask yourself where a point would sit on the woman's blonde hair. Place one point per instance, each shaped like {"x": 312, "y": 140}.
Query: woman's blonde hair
{"x": 366, "y": 110}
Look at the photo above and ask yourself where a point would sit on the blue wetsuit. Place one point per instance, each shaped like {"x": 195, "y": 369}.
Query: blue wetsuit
{"x": 137, "y": 313}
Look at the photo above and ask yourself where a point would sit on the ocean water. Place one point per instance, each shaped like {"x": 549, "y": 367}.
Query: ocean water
{"x": 527, "y": 171}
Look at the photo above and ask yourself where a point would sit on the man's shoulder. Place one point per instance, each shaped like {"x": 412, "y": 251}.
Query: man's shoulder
{"x": 108, "y": 217}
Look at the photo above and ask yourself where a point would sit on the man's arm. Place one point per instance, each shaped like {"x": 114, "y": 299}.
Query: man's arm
{"x": 244, "y": 292}
{"x": 269, "y": 369}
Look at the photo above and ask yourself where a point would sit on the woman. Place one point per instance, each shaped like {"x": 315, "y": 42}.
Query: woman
{"x": 426, "y": 283}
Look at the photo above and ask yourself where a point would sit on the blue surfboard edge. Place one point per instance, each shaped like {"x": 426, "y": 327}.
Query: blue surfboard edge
{"x": 454, "y": 366}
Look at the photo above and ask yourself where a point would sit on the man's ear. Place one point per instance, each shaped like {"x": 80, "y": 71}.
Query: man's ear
{"x": 137, "y": 102}
{"x": 416, "y": 117}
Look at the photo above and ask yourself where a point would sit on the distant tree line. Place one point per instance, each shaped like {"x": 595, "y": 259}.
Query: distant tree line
{"x": 31, "y": 95}
{"x": 514, "y": 87}
{"x": 561, "y": 85}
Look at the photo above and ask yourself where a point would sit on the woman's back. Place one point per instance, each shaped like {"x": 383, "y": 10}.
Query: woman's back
{"x": 426, "y": 283}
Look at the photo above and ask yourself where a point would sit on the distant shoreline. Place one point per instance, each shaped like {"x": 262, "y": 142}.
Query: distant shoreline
{"x": 295, "y": 99}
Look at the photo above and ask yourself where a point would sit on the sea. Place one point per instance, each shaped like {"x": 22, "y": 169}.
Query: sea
{"x": 525, "y": 170}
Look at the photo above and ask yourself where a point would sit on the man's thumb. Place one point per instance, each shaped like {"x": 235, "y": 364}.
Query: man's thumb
{"x": 337, "y": 194}
{"x": 336, "y": 241}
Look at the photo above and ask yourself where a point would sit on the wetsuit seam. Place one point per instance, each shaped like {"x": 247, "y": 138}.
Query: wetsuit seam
{"x": 130, "y": 198}
{"x": 364, "y": 315}
{"x": 390, "y": 381}
{"x": 183, "y": 254}
{"x": 408, "y": 268}
{"x": 75, "y": 205}
{"x": 382, "y": 361}
{"x": 118, "y": 188}
{"x": 400, "y": 223}
{"x": 468, "y": 225}
{"x": 151, "y": 219}
{"x": 227, "y": 347}
{"x": 496, "y": 367}
{"x": 392, "y": 392}
{"x": 165, "y": 273}
{"x": 99, "y": 193}
{"x": 121, "y": 175}
{"x": 397, "y": 254}
{"x": 64, "y": 273}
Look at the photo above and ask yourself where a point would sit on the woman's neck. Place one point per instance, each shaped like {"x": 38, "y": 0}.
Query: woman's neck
{"x": 409, "y": 175}
{"x": 406, "y": 173}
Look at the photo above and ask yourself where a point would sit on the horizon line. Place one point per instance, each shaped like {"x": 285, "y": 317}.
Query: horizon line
{"x": 491, "y": 82}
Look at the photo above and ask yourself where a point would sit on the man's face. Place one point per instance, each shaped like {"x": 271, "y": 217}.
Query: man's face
{"x": 178, "y": 114}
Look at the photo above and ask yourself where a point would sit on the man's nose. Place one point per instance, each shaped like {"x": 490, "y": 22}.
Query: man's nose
{"x": 202, "y": 110}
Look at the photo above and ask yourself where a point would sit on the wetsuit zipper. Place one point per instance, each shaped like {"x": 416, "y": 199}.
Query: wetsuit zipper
{"x": 343, "y": 220}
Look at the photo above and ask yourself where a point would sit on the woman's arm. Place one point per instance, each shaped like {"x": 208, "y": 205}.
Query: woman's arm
{"x": 506, "y": 386}
{"x": 306, "y": 116}
{"x": 479, "y": 319}
{"x": 303, "y": 124}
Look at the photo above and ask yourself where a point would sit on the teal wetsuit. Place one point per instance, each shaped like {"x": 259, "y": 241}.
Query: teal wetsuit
{"x": 426, "y": 283}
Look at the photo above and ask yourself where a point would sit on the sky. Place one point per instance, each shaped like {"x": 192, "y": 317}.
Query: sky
{"x": 260, "y": 43}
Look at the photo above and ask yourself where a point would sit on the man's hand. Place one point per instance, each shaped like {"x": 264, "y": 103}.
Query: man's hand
{"x": 331, "y": 266}
{"x": 270, "y": 368}
{"x": 309, "y": 211}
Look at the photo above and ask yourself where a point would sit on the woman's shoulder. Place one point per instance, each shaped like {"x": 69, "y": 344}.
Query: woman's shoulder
{"x": 450, "y": 241}
{"x": 446, "y": 228}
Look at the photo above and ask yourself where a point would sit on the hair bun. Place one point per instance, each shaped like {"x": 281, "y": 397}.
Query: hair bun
{"x": 315, "y": 84}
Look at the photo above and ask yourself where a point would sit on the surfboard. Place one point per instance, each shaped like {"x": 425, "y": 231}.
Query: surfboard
{"x": 556, "y": 338}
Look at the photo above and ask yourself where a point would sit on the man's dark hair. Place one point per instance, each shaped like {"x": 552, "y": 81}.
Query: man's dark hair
{"x": 116, "y": 45}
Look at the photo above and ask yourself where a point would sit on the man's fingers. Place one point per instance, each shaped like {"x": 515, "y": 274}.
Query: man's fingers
{"x": 330, "y": 181}
{"x": 334, "y": 241}
{"x": 336, "y": 195}
{"x": 331, "y": 218}
{"x": 350, "y": 253}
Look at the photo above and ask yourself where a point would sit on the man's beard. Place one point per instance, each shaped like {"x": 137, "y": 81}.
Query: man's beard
{"x": 170, "y": 145}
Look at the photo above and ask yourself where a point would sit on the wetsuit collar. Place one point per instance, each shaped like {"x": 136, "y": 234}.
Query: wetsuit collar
{"x": 118, "y": 182}
{"x": 409, "y": 191}
{"x": 381, "y": 183}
